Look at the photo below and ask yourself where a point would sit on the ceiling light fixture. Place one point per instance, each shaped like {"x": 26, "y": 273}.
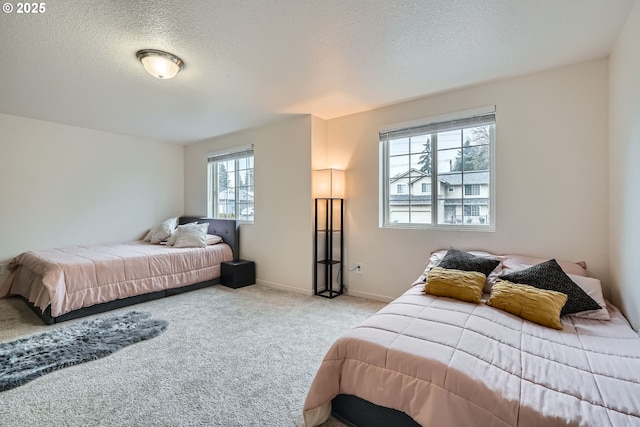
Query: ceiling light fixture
{"x": 160, "y": 64}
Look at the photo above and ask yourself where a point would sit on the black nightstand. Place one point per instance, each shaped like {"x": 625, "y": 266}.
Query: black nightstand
{"x": 238, "y": 273}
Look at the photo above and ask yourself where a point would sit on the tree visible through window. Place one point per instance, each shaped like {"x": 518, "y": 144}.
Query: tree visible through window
{"x": 231, "y": 185}
{"x": 452, "y": 159}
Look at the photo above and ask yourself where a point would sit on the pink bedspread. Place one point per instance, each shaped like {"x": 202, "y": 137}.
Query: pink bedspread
{"x": 451, "y": 363}
{"x": 82, "y": 276}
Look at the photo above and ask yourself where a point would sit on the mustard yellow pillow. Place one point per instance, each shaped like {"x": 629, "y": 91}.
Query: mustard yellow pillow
{"x": 462, "y": 285}
{"x": 537, "y": 305}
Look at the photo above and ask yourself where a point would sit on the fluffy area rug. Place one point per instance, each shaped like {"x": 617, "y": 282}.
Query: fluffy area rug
{"x": 28, "y": 358}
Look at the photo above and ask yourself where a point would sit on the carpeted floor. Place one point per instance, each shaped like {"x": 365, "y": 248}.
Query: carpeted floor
{"x": 230, "y": 357}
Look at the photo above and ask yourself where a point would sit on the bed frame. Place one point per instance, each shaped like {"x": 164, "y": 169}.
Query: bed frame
{"x": 225, "y": 228}
{"x": 354, "y": 411}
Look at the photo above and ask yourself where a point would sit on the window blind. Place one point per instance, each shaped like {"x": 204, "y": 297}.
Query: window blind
{"x": 466, "y": 122}
{"x": 230, "y": 155}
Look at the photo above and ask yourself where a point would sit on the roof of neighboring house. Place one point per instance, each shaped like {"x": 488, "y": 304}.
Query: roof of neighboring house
{"x": 467, "y": 201}
{"x": 405, "y": 199}
{"x": 231, "y": 195}
{"x": 413, "y": 175}
{"x": 452, "y": 178}
{"x": 469, "y": 178}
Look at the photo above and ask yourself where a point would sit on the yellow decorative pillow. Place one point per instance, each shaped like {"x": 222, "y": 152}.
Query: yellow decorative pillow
{"x": 537, "y": 305}
{"x": 462, "y": 285}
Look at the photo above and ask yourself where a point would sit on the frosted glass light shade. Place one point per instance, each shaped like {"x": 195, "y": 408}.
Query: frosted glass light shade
{"x": 328, "y": 184}
{"x": 162, "y": 65}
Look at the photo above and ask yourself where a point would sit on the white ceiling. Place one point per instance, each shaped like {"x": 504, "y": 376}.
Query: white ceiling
{"x": 249, "y": 62}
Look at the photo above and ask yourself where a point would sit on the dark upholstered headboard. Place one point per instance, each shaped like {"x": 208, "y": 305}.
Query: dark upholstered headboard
{"x": 225, "y": 228}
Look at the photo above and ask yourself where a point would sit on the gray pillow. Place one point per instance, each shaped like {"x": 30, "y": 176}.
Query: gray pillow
{"x": 550, "y": 276}
{"x": 460, "y": 260}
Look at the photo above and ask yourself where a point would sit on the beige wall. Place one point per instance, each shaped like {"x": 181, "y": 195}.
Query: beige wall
{"x": 551, "y": 170}
{"x": 68, "y": 185}
{"x": 319, "y": 146}
{"x": 63, "y": 185}
{"x": 280, "y": 240}
{"x": 624, "y": 166}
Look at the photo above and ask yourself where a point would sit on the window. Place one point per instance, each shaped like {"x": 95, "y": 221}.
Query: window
{"x": 453, "y": 159}
{"x": 231, "y": 185}
{"x": 472, "y": 210}
{"x": 472, "y": 189}
{"x": 402, "y": 188}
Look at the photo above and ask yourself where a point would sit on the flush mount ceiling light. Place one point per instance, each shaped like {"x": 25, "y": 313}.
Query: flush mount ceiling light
{"x": 160, "y": 64}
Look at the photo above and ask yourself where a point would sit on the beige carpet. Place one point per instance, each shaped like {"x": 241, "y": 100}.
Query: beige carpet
{"x": 230, "y": 357}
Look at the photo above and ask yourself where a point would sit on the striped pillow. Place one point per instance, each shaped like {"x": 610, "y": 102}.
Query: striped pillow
{"x": 461, "y": 285}
{"x": 537, "y": 305}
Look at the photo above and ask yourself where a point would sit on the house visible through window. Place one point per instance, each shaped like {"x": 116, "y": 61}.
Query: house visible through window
{"x": 231, "y": 185}
{"x": 439, "y": 174}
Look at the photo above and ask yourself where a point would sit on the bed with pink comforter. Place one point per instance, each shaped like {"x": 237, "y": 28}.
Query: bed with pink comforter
{"x": 60, "y": 283}
{"x": 446, "y": 362}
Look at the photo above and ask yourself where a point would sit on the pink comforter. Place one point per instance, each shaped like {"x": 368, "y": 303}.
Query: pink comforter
{"x": 81, "y": 276}
{"x": 451, "y": 363}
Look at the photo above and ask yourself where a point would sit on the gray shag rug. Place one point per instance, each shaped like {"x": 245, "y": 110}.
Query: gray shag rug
{"x": 28, "y": 358}
{"x": 229, "y": 357}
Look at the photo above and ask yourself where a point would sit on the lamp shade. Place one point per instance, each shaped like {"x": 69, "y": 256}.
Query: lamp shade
{"x": 328, "y": 184}
{"x": 162, "y": 65}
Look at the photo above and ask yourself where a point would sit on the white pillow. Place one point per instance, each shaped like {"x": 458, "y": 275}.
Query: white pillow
{"x": 161, "y": 231}
{"x": 212, "y": 239}
{"x": 172, "y": 240}
{"x": 191, "y": 237}
{"x": 593, "y": 288}
{"x": 513, "y": 263}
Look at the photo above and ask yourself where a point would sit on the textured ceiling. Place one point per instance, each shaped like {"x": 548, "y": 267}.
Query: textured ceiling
{"x": 249, "y": 62}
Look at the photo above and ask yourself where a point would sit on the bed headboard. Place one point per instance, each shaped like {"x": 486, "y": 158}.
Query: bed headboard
{"x": 225, "y": 228}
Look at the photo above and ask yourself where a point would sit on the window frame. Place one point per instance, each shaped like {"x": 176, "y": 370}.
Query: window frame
{"x": 238, "y": 155}
{"x": 384, "y": 166}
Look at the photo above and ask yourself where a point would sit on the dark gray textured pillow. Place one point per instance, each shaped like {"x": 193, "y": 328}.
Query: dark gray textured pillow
{"x": 460, "y": 260}
{"x": 549, "y": 275}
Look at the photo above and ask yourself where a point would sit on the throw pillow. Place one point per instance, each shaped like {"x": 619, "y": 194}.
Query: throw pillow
{"x": 162, "y": 231}
{"x": 534, "y": 304}
{"x": 593, "y": 288}
{"x": 436, "y": 257}
{"x": 549, "y": 276}
{"x": 212, "y": 239}
{"x": 460, "y": 260}
{"x": 189, "y": 237}
{"x": 461, "y": 285}
{"x": 172, "y": 239}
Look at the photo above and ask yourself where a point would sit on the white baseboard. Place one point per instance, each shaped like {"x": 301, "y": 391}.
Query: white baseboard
{"x": 367, "y": 295}
{"x": 284, "y": 287}
{"x": 350, "y": 292}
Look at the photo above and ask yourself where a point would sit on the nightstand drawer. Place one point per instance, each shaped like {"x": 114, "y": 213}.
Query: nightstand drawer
{"x": 238, "y": 273}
